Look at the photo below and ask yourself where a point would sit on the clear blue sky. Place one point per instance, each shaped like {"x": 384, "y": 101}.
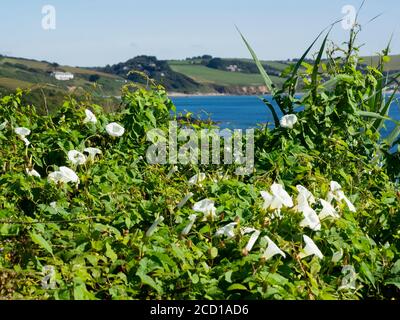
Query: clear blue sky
{"x": 99, "y": 32}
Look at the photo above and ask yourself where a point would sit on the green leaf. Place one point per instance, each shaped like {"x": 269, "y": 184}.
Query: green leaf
{"x": 110, "y": 253}
{"x": 367, "y": 272}
{"x": 274, "y": 114}
{"x": 149, "y": 281}
{"x": 228, "y": 276}
{"x": 39, "y": 240}
{"x": 237, "y": 286}
{"x": 213, "y": 252}
{"x": 394, "y": 281}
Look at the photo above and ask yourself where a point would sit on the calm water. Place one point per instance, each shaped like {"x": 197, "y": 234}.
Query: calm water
{"x": 238, "y": 112}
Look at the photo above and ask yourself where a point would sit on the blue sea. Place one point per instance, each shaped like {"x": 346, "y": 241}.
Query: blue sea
{"x": 239, "y": 112}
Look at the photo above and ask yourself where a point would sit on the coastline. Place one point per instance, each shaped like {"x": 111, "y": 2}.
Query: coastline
{"x": 201, "y": 94}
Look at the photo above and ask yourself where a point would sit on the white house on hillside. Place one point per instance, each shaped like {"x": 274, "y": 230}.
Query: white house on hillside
{"x": 63, "y": 76}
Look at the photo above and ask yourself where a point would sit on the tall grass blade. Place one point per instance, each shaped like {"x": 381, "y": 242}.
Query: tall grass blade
{"x": 264, "y": 74}
{"x": 314, "y": 76}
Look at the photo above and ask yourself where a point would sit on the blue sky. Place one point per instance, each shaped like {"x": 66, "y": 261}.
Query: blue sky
{"x": 99, "y": 32}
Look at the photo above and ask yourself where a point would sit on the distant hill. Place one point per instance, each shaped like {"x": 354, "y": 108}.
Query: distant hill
{"x": 158, "y": 70}
{"x": 204, "y": 74}
{"x": 37, "y": 76}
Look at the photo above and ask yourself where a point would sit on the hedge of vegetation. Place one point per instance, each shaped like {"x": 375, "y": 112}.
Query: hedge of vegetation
{"x": 84, "y": 216}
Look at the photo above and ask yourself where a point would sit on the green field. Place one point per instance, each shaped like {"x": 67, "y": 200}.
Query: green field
{"x": 205, "y": 75}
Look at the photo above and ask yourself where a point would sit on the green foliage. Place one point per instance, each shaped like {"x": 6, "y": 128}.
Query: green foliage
{"x": 88, "y": 240}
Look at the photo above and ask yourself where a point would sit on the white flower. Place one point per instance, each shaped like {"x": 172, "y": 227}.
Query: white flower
{"x": 327, "y": 210}
{"x": 64, "y": 175}
{"x": 53, "y": 204}
{"x": 192, "y": 219}
{"x": 92, "y": 152}
{"x": 308, "y": 195}
{"x": 90, "y": 117}
{"x": 252, "y": 240}
{"x": 22, "y": 132}
{"x": 206, "y": 207}
{"x": 153, "y": 227}
{"x": 338, "y": 194}
{"x": 27, "y": 142}
{"x": 115, "y": 130}
{"x": 267, "y": 199}
{"x": 310, "y": 249}
{"x": 33, "y": 173}
{"x": 288, "y": 121}
{"x": 311, "y": 219}
{"x": 55, "y": 177}
{"x": 76, "y": 157}
{"x": 197, "y": 178}
{"x": 278, "y": 199}
{"x": 184, "y": 200}
{"x": 227, "y": 231}
{"x": 69, "y": 175}
{"x": 272, "y": 249}
{"x": 281, "y": 197}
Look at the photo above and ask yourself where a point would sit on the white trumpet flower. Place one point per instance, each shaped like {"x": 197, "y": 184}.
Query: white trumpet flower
{"x": 327, "y": 210}
{"x": 32, "y": 173}
{"x": 184, "y": 200}
{"x": 64, "y": 175}
{"x": 22, "y": 134}
{"x": 278, "y": 199}
{"x": 197, "y": 178}
{"x": 115, "y": 130}
{"x": 153, "y": 227}
{"x": 192, "y": 219}
{"x": 69, "y": 175}
{"x": 310, "y": 249}
{"x": 76, "y": 157}
{"x": 92, "y": 152}
{"x": 252, "y": 240}
{"x": 267, "y": 199}
{"x": 227, "y": 231}
{"x": 338, "y": 194}
{"x": 311, "y": 219}
{"x": 55, "y": 177}
{"x": 206, "y": 207}
{"x": 288, "y": 121}
{"x": 272, "y": 249}
{"x": 90, "y": 117}
{"x": 281, "y": 197}
{"x": 308, "y": 195}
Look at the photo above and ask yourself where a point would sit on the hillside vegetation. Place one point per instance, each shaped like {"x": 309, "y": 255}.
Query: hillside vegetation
{"x": 36, "y": 75}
